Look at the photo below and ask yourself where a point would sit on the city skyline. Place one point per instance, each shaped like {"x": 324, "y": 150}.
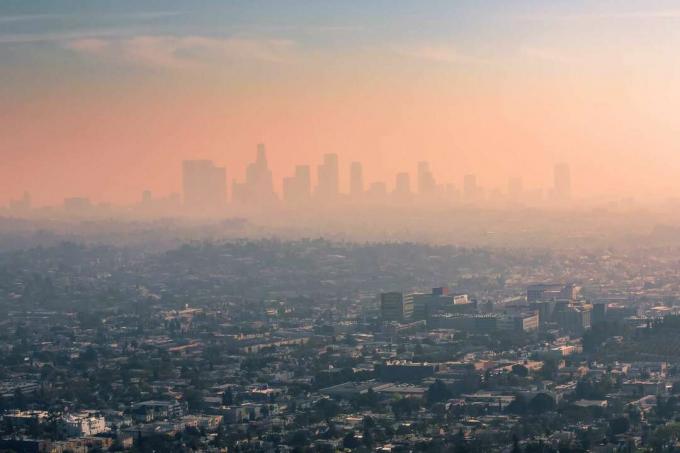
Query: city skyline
{"x": 206, "y": 186}
{"x": 103, "y": 100}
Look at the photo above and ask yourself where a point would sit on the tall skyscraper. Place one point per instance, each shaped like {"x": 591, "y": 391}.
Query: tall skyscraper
{"x": 426, "y": 182}
{"x": 204, "y": 185}
{"x": 356, "y": 179}
{"x": 297, "y": 188}
{"x": 328, "y": 173}
{"x": 562, "y": 183}
{"x": 258, "y": 187}
{"x": 402, "y": 185}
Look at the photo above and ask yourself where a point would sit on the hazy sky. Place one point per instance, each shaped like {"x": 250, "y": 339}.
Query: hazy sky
{"x": 105, "y": 99}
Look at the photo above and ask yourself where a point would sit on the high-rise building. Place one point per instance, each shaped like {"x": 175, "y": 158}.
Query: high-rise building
{"x": 599, "y": 314}
{"x": 394, "y": 307}
{"x": 328, "y": 173}
{"x": 204, "y": 185}
{"x": 402, "y": 185}
{"x": 562, "y": 183}
{"x": 356, "y": 179}
{"x": 258, "y": 187}
{"x": 426, "y": 182}
{"x": 297, "y": 188}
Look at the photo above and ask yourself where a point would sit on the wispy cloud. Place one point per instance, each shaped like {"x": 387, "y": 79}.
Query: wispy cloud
{"x": 29, "y": 17}
{"x": 548, "y": 55}
{"x": 650, "y": 14}
{"x": 437, "y": 53}
{"x": 61, "y": 37}
{"x": 185, "y": 52}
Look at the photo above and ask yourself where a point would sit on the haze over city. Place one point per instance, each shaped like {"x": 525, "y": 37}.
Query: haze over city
{"x": 331, "y": 226}
{"x": 105, "y": 101}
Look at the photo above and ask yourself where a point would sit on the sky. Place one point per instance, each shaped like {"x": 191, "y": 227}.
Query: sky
{"x": 105, "y": 99}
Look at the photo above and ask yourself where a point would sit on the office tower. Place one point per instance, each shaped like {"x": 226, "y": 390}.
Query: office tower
{"x": 562, "y": 183}
{"x": 356, "y": 179}
{"x": 258, "y": 187}
{"x": 402, "y": 185}
{"x": 328, "y": 184}
{"x": 297, "y": 188}
{"x": 470, "y": 189}
{"x": 440, "y": 291}
{"x": 552, "y": 291}
{"x": 393, "y": 307}
{"x": 146, "y": 197}
{"x": 515, "y": 189}
{"x": 204, "y": 185}
{"x": 426, "y": 182}
{"x": 599, "y": 314}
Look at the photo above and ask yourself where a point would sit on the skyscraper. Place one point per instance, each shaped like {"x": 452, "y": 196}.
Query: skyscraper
{"x": 258, "y": 187}
{"x": 402, "y": 185}
{"x": 562, "y": 183}
{"x": 394, "y": 307}
{"x": 203, "y": 184}
{"x": 146, "y": 197}
{"x": 426, "y": 182}
{"x": 356, "y": 179}
{"x": 328, "y": 173}
{"x": 297, "y": 188}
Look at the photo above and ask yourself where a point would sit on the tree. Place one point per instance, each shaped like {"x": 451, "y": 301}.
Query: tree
{"x": 368, "y": 399}
{"x": 459, "y": 442}
{"x": 438, "y": 392}
{"x": 515, "y": 444}
{"x": 619, "y": 425}
{"x": 549, "y": 368}
{"x": 541, "y": 403}
{"x": 520, "y": 370}
{"x": 350, "y": 441}
{"x": 404, "y": 407}
{"x": 228, "y": 397}
{"x": 367, "y": 439}
{"x": 518, "y": 405}
{"x": 327, "y": 408}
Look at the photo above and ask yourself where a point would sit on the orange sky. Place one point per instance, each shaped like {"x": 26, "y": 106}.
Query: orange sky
{"x": 111, "y": 117}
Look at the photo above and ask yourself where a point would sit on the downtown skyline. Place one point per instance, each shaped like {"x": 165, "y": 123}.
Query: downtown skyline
{"x": 103, "y": 100}
{"x": 208, "y": 186}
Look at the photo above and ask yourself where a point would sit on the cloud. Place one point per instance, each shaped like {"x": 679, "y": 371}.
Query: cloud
{"x": 29, "y": 17}
{"x": 59, "y": 37}
{"x": 139, "y": 15}
{"x": 651, "y": 14}
{"x": 438, "y": 53}
{"x": 548, "y": 55}
{"x": 184, "y": 52}
{"x": 88, "y": 45}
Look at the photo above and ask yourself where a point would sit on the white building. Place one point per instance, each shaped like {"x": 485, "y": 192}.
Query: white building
{"x": 84, "y": 424}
